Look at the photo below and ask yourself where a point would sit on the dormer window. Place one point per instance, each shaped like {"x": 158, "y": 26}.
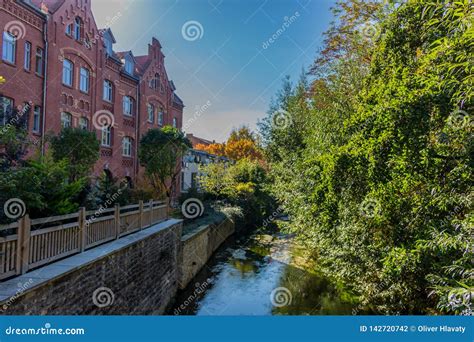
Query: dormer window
{"x": 108, "y": 46}
{"x": 129, "y": 65}
{"x": 78, "y": 29}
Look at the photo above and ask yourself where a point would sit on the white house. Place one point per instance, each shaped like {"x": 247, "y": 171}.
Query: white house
{"x": 190, "y": 171}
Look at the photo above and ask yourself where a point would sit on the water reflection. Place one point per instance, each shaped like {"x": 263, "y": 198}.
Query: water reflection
{"x": 241, "y": 276}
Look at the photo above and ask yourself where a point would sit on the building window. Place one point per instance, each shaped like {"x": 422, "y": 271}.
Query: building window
{"x": 129, "y": 65}
{"x": 6, "y": 105}
{"x": 39, "y": 61}
{"x": 9, "y": 47}
{"x": 157, "y": 81}
{"x": 84, "y": 80}
{"x": 175, "y": 123}
{"x": 36, "y": 119}
{"x": 106, "y": 136}
{"x": 128, "y": 105}
{"x": 160, "y": 117}
{"x": 108, "y": 91}
{"x": 127, "y": 147}
{"x": 66, "y": 120}
{"x": 69, "y": 30}
{"x": 108, "y": 46}
{"x": 151, "y": 113}
{"x": 84, "y": 124}
{"x": 68, "y": 69}
{"x": 77, "y": 29}
{"x": 27, "y": 61}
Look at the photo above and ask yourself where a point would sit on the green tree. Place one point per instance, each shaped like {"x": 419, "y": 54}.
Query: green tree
{"x": 14, "y": 141}
{"x": 380, "y": 189}
{"x": 161, "y": 152}
{"x": 80, "y": 147}
{"x": 244, "y": 184}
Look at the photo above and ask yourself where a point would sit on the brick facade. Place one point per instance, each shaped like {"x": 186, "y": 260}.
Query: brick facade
{"x": 78, "y": 58}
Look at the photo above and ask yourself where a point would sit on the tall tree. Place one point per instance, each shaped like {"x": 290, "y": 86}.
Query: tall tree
{"x": 80, "y": 147}
{"x": 161, "y": 152}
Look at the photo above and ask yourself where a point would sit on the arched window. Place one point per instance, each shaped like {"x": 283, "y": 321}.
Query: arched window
{"x": 77, "y": 29}
{"x": 108, "y": 177}
{"x": 68, "y": 68}
{"x": 84, "y": 124}
{"x": 84, "y": 80}
{"x": 151, "y": 113}
{"x": 161, "y": 117}
{"x": 66, "y": 120}
{"x": 129, "y": 182}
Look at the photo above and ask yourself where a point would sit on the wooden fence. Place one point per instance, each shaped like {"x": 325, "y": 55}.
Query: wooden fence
{"x": 28, "y": 244}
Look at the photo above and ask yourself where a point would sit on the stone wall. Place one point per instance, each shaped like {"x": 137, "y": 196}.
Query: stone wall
{"x": 198, "y": 246}
{"x": 135, "y": 275}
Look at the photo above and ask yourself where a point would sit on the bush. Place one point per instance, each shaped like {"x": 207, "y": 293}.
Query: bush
{"x": 243, "y": 184}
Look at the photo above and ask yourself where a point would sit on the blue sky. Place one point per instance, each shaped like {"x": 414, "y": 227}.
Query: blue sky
{"x": 230, "y": 67}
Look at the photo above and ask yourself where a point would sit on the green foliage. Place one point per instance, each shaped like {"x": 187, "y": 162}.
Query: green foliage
{"x": 159, "y": 151}
{"x": 13, "y": 138}
{"x": 244, "y": 184}
{"x": 81, "y": 149}
{"x": 380, "y": 187}
{"x": 43, "y": 186}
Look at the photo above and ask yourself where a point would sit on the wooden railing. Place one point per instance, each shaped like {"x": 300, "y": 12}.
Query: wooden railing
{"x": 29, "y": 244}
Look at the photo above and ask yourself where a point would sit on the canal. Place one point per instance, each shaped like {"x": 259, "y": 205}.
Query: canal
{"x": 261, "y": 275}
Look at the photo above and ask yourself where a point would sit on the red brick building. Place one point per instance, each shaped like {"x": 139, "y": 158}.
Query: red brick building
{"x": 56, "y": 58}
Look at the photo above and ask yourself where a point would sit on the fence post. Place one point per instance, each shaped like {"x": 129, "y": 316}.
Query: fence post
{"x": 117, "y": 221}
{"x": 151, "y": 212}
{"x": 140, "y": 205}
{"x": 82, "y": 229}
{"x": 23, "y": 247}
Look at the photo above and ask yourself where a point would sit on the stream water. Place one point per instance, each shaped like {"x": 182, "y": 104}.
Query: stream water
{"x": 258, "y": 276}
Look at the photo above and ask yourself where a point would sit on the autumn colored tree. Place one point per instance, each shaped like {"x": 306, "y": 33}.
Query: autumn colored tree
{"x": 242, "y": 149}
{"x": 242, "y": 144}
{"x": 216, "y": 149}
